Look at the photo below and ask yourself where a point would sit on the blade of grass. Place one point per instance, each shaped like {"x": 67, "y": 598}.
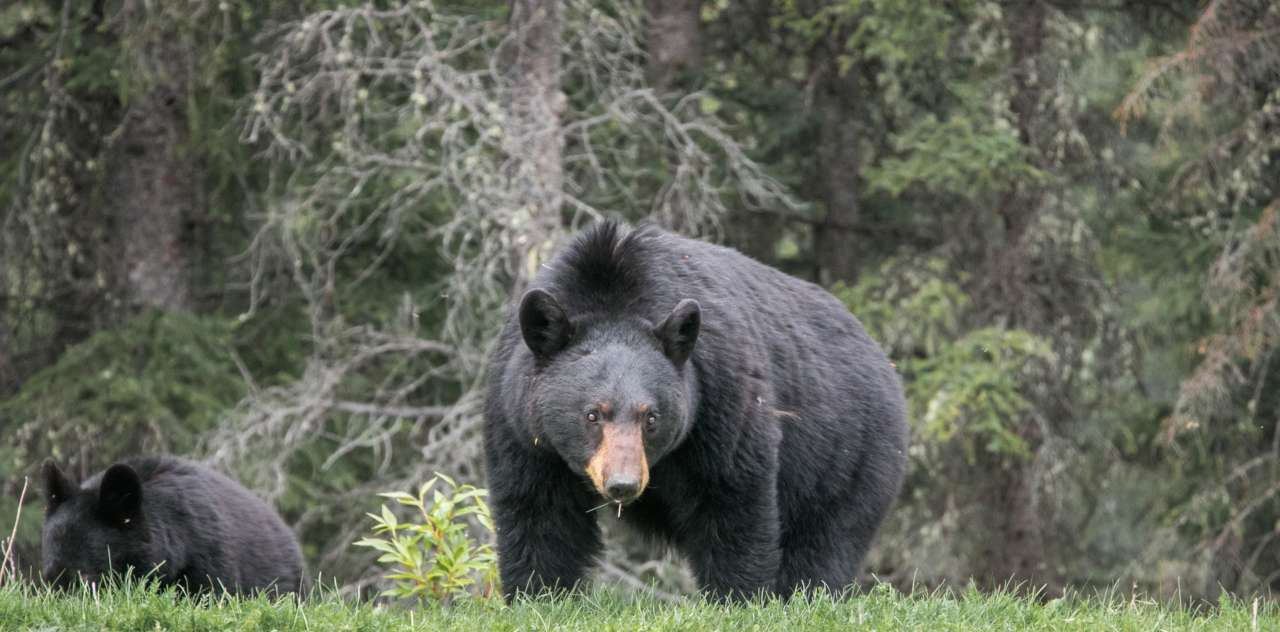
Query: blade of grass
{"x": 8, "y": 550}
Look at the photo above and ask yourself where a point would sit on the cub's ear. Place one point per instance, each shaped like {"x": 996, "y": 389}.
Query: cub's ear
{"x": 56, "y": 486}
{"x": 543, "y": 323}
{"x": 679, "y": 331}
{"x": 120, "y": 498}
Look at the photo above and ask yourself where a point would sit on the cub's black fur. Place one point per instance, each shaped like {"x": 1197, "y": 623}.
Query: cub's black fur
{"x": 189, "y": 524}
{"x": 739, "y": 413}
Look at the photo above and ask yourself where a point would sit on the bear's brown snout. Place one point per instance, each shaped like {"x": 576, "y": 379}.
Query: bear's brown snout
{"x": 619, "y": 469}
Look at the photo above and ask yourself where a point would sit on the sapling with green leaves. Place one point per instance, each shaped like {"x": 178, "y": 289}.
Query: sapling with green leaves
{"x": 436, "y": 559}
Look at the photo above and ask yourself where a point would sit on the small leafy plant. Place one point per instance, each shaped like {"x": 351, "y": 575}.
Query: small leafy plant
{"x": 436, "y": 559}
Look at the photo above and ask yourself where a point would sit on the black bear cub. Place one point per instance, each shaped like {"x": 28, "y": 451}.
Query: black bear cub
{"x": 736, "y": 412}
{"x": 177, "y": 519}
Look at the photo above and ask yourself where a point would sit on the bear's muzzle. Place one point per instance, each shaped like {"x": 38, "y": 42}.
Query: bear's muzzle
{"x": 619, "y": 469}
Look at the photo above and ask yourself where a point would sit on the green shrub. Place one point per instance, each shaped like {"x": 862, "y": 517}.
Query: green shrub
{"x": 436, "y": 559}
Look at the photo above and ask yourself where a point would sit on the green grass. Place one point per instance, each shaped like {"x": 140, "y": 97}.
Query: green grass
{"x": 132, "y": 608}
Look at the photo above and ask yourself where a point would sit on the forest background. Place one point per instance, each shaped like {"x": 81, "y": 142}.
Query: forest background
{"x": 281, "y": 236}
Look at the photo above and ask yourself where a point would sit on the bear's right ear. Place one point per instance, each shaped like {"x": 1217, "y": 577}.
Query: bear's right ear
{"x": 543, "y": 323}
{"x": 56, "y": 486}
{"x": 120, "y": 497}
{"x": 679, "y": 330}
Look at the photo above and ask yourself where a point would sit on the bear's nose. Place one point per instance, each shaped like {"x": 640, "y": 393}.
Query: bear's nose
{"x": 622, "y": 487}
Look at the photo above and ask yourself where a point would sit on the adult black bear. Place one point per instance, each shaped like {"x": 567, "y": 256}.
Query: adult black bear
{"x": 737, "y": 412}
{"x": 189, "y": 524}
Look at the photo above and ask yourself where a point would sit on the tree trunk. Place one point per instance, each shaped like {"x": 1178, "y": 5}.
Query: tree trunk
{"x": 152, "y": 184}
{"x": 1019, "y": 206}
{"x": 152, "y": 193}
{"x": 1016, "y": 544}
{"x": 1013, "y": 547}
{"x": 836, "y": 168}
{"x": 673, "y": 41}
{"x": 535, "y": 142}
{"x": 756, "y": 234}
{"x": 8, "y": 372}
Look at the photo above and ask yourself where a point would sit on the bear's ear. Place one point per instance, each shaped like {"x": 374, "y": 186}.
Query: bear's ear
{"x": 543, "y": 323}
{"x": 56, "y": 486}
{"x": 120, "y": 498}
{"x": 679, "y": 331}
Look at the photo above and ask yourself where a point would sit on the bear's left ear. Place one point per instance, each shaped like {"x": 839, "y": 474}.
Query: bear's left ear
{"x": 56, "y": 486}
{"x": 679, "y": 331}
{"x": 120, "y": 497}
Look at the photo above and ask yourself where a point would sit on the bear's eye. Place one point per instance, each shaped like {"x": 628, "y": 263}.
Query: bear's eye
{"x": 593, "y": 417}
{"x": 651, "y": 420}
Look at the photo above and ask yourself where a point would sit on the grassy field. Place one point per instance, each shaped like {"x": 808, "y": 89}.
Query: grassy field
{"x": 130, "y": 608}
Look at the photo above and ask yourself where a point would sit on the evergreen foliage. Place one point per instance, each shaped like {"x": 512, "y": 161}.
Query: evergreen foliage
{"x": 1060, "y": 219}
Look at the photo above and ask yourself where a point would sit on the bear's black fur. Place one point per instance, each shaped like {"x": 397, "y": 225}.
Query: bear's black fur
{"x": 187, "y": 524}
{"x": 742, "y": 414}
